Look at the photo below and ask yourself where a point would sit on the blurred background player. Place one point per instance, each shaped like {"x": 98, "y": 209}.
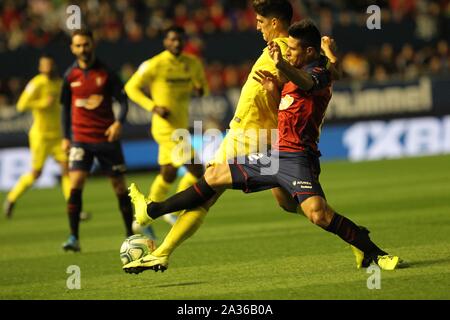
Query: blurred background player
{"x": 172, "y": 77}
{"x": 41, "y": 96}
{"x": 91, "y": 130}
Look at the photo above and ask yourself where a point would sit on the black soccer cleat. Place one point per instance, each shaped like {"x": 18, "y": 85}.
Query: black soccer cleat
{"x": 8, "y": 207}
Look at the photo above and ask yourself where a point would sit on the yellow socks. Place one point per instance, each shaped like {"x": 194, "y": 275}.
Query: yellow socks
{"x": 159, "y": 189}
{"x": 186, "y": 225}
{"x": 188, "y": 180}
{"x": 65, "y": 185}
{"x": 24, "y": 183}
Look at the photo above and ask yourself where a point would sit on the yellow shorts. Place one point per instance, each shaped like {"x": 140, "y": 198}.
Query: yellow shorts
{"x": 41, "y": 148}
{"x": 235, "y": 146}
{"x": 176, "y": 153}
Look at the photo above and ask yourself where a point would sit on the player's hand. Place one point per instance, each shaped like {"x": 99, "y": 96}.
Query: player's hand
{"x": 114, "y": 131}
{"x": 50, "y": 100}
{"x": 267, "y": 80}
{"x": 93, "y": 101}
{"x": 328, "y": 45}
{"x": 275, "y": 52}
{"x": 65, "y": 144}
{"x": 163, "y": 112}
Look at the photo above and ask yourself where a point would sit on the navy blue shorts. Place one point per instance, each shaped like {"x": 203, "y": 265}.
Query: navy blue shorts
{"x": 296, "y": 172}
{"x": 108, "y": 154}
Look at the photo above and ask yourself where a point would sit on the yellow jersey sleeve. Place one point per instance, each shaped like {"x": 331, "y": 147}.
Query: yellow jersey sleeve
{"x": 199, "y": 77}
{"x": 31, "y": 97}
{"x": 171, "y": 81}
{"x": 42, "y": 96}
{"x": 142, "y": 78}
{"x": 256, "y": 108}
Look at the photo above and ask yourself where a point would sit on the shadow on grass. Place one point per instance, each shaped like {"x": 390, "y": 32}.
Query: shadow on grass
{"x": 425, "y": 263}
{"x": 181, "y": 284}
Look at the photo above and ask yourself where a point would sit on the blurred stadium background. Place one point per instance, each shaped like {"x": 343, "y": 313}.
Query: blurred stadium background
{"x": 393, "y": 101}
{"x": 399, "y": 72}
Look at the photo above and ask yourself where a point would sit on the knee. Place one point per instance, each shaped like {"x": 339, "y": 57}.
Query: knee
{"x": 216, "y": 176}
{"x": 211, "y": 176}
{"x": 316, "y": 212}
{"x": 318, "y": 218}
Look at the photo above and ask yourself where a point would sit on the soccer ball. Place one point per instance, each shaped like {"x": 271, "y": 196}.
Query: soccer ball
{"x": 135, "y": 247}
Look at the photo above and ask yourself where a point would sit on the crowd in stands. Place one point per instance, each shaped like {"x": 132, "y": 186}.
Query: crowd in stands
{"x": 37, "y": 23}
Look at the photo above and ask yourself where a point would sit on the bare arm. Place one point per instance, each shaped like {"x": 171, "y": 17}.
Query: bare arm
{"x": 29, "y": 98}
{"x": 329, "y": 49}
{"x": 201, "y": 87}
{"x": 299, "y": 77}
{"x": 133, "y": 89}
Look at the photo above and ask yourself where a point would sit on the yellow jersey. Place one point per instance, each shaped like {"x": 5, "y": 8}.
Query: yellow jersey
{"x": 256, "y": 108}
{"x": 41, "y": 96}
{"x": 171, "y": 81}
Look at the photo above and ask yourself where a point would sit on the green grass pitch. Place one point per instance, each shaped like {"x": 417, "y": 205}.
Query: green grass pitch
{"x": 247, "y": 248}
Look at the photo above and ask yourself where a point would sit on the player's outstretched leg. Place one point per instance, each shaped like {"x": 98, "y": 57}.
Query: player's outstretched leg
{"x": 140, "y": 205}
{"x": 185, "y": 227}
{"x": 361, "y": 261}
{"x": 146, "y": 210}
{"x": 196, "y": 199}
{"x": 318, "y": 212}
{"x": 160, "y": 189}
{"x": 194, "y": 172}
{"x": 148, "y": 262}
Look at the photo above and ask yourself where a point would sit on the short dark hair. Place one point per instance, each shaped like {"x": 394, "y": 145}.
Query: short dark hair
{"x": 46, "y": 55}
{"x": 83, "y": 32}
{"x": 280, "y": 9}
{"x": 307, "y": 32}
{"x": 176, "y": 29}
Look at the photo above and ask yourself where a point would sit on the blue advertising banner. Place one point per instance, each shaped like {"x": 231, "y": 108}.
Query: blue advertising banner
{"x": 351, "y": 102}
{"x": 362, "y": 140}
{"x": 389, "y": 100}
